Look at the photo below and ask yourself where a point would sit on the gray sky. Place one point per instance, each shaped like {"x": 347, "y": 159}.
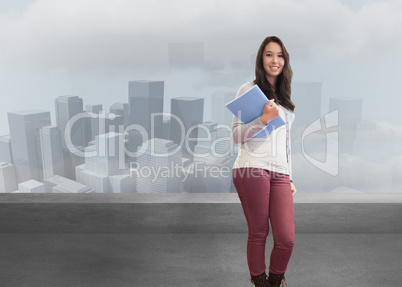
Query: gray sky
{"x": 92, "y": 48}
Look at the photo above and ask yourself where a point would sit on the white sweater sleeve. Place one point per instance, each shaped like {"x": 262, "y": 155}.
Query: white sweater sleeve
{"x": 243, "y": 132}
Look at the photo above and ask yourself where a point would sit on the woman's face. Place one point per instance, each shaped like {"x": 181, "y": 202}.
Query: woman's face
{"x": 273, "y": 61}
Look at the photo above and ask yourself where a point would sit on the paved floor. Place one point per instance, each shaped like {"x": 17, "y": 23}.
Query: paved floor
{"x": 53, "y": 260}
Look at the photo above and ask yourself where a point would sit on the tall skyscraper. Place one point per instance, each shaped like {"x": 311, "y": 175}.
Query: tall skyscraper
{"x": 24, "y": 132}
{"x": 94, "y": 110}
{"x": 121, "y": 109}
{"x": 146, "y": 98}
{"x": 190, "y": 112}
{"x": 8, "y": 182}
{"x": 52, "y": 154}
{"x": 66, "y": 107}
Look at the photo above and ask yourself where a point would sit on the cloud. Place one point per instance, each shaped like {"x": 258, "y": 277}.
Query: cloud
{"x": 91, "y": 35}
{"x": 374, "y": 166}
{"x": 378, "y": 139}
{"x": 354, "y": 172}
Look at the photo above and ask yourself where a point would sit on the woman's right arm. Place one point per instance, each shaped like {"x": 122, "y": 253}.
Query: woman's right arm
{"x": 243, "y": 132}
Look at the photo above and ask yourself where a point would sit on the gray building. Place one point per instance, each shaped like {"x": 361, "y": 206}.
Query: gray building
{"x": 31, "y": 186}
{"x": 109, "y": 154}
{"x": 165, "y": 127}
{"x": 8, "y": 182}
{"x": 146, "y": 98}
{"x": 94, "y": 108}
{"x": 24, "y": 131}
{"x": 159, "y": 168}
{"x": 213, "y": 161}
{"x": 51, "y": 150}
{"x": 123, "y": 110}
{"x": 207, "y": 135}
{"x": 210, "y": 175}
{"x": 6, "y": 153}
{"x": 104, "y": 123}
{"x": 189, "y": 111}
{"x": 217, "y": 142}
{"x": 104, "y": 168}
{"x": 72, "y": 158}
{"x": 59, "y": 184}
{"x": 67, "y": 107}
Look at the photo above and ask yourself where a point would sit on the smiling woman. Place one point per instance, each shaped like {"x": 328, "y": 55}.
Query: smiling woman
{"x": 274, "y": 82}
{"x": 264, "y": 184}
{"x": 273, "y": 61}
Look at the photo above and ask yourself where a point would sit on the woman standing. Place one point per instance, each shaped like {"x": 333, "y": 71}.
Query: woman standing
{"x": 262, "y": 171}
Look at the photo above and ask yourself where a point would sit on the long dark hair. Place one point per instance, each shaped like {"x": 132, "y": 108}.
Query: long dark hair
{"x": 282, "y": 91}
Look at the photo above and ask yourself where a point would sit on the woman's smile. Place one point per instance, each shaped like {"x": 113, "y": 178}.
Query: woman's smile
{"x": 273, "y": 61}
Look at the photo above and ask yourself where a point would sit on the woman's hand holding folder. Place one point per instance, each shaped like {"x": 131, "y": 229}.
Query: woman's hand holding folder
{"x": 270, "y": 112}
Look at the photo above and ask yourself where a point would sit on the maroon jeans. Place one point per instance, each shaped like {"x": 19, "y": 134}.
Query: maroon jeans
{"x": 266, "y": 195}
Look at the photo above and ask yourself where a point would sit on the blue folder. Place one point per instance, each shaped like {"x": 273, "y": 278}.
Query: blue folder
{"x": 250, "y": 106}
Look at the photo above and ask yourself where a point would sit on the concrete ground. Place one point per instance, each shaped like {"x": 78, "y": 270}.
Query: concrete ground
{"x": 50, "y": 260}
{"x": 35, "y": 252}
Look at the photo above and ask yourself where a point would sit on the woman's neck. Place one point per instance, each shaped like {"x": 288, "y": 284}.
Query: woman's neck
{"x": 272, "y": 81}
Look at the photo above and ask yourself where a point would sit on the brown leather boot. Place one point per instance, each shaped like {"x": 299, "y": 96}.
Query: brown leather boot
{"x": 260, "y": 280}
{"x": 275, "y": 280}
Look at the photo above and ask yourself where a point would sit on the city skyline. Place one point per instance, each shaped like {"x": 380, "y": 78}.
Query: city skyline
{"x": 338, "y": 49}
{"x": 47, "y": 155}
